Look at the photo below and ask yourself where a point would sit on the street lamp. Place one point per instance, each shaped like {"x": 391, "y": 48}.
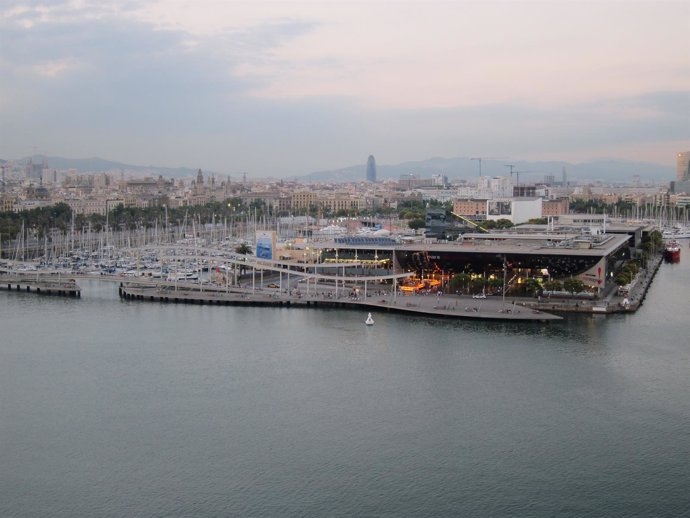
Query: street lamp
{"x": 505, "y": 270}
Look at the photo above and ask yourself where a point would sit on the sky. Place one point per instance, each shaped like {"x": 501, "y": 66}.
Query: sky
{"x": 281, "y": 88}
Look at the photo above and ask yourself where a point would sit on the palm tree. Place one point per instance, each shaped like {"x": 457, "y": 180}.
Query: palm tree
{"x": 243, "y": 249}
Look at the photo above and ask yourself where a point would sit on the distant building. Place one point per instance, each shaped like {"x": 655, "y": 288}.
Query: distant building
{"x": 555, "y": 207}
{"x": 524, "y": 191}
{"x": 516, "y": 210}
{"x": 473, "y": 208}
{"x": 34, "y": 171}
{"x": 371, "y": 169}
{"x": 683, "y": 166}
{"x": 199, "y": 195}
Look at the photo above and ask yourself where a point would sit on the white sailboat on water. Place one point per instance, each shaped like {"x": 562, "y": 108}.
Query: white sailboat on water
{"x": 369, "y": 321}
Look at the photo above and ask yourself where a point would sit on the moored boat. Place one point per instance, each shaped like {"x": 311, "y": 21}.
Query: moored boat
{"x": 672, "y": 252}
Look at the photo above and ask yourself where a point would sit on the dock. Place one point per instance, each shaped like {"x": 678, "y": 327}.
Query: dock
{"x": 41, "y": 284}
{"x": 446, "y": 306}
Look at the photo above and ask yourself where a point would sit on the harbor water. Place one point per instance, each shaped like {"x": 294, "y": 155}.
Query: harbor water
{"x": 112, "y": 408}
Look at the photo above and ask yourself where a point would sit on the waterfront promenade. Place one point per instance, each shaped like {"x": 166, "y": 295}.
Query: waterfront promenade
{"x": 448, "y": 306}
{"x": 433, "y": 304}
{"x": 324, "y": 295}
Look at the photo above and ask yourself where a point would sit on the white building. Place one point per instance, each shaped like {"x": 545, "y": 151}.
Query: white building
{"x": 517, "y": 210}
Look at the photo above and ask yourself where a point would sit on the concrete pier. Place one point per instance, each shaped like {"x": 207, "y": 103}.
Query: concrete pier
{"x": 610, "y": 303}
{"x": 41, "y": 284}
{"x": 446, "y": 306}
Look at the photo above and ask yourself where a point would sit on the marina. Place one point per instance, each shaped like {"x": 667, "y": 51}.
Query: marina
{"x": 367, "y": 272}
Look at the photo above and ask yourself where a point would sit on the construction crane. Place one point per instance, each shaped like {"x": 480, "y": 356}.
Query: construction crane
{"x": 518, "y": 173}
{"x": 517, "y": 190}
{"x": 480, "y": 158}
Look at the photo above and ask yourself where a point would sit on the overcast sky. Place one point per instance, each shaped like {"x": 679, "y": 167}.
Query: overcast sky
{"x": 283, "y": 88}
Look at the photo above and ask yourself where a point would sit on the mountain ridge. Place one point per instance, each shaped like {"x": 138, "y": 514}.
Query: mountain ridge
{"x": 605, "y": 170}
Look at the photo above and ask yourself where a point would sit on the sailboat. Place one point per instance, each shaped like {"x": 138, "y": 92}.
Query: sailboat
{"x": 369, "y": 321}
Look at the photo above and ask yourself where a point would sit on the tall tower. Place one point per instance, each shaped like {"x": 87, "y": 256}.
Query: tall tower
{"x": 371, "y": 169}
{"x": 683, "y": 166}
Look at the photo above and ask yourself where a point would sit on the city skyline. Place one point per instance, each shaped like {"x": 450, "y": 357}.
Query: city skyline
{"x": 288, "y": 88}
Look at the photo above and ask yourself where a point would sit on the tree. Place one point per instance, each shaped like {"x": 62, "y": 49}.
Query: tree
{"x": 460, "y": 282}
{"x": 652, "y": 241}
{"x": 532, "y": 287}
{"x": 243, "y": 249}
{"x": 416, "y": 223}
{"x": 495, "y": 284}
{"x": 573, "y": 285}
{"x": 553, "y": 285}
{"x": 478, "y": 285}
{"x": 622, "y": 279}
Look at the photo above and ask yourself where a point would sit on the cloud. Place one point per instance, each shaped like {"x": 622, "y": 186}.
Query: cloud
{"x": 302, "y": 87}
{"x": 110, "y": 77}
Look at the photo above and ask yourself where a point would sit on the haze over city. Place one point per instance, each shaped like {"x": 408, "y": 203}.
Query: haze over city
{"x": 286, "y": 88}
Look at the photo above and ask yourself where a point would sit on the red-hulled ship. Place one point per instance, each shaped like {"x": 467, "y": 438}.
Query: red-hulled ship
{"x": 672, "y": 252}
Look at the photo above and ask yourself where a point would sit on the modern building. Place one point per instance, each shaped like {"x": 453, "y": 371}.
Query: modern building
{"x": 516, "y": 210}
{"x": 590, "y": 258}
{"x": 371, "y": 169}
{"x": 683, "y": 166}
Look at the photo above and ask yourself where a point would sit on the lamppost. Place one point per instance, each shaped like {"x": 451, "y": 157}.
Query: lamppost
{"x": 505, "y": 270}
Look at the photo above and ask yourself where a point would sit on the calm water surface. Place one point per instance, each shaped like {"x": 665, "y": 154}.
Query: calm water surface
{"x": 114, "y": 408}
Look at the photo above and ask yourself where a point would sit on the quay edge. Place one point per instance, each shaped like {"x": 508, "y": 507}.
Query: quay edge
{"x": 41, "y": 285}
{"x": 420, "y": 306}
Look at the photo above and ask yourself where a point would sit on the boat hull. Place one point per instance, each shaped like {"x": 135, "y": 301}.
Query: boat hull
{"x": 672, "y": 252}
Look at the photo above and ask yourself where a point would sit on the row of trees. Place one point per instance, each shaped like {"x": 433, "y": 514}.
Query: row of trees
{"x": 579, "y": 206}
{"x": 628, "y": 273}
{"x": 464, "y": 283}
{"x": 652, "y": 242}
{"x": 60, "y": 217}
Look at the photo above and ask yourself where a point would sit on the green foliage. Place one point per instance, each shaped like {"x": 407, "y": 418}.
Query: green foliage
{"x": 601, "y": 207}
{"x": 497, "y": 224}
{"x": 623, "y": 279}
{"x": 460, "y": 282}
{"x": 243, "y": 249}
{"x": 553, "y": 285}
{"x": 416, "y": 223}
{"x": 573, "y": 285}
{"x": 627, "y": 273}
{"x": 652, "y": 242}
{"x": 532, "y": 287}
{"x": 478, "y": 285}
{"x": 495, "y": 284}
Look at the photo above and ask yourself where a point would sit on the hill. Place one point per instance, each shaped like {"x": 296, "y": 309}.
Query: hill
{"x": 608, "y": 171}
{"x": 95, "y": 164}
{"x": 466, "y": 168}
